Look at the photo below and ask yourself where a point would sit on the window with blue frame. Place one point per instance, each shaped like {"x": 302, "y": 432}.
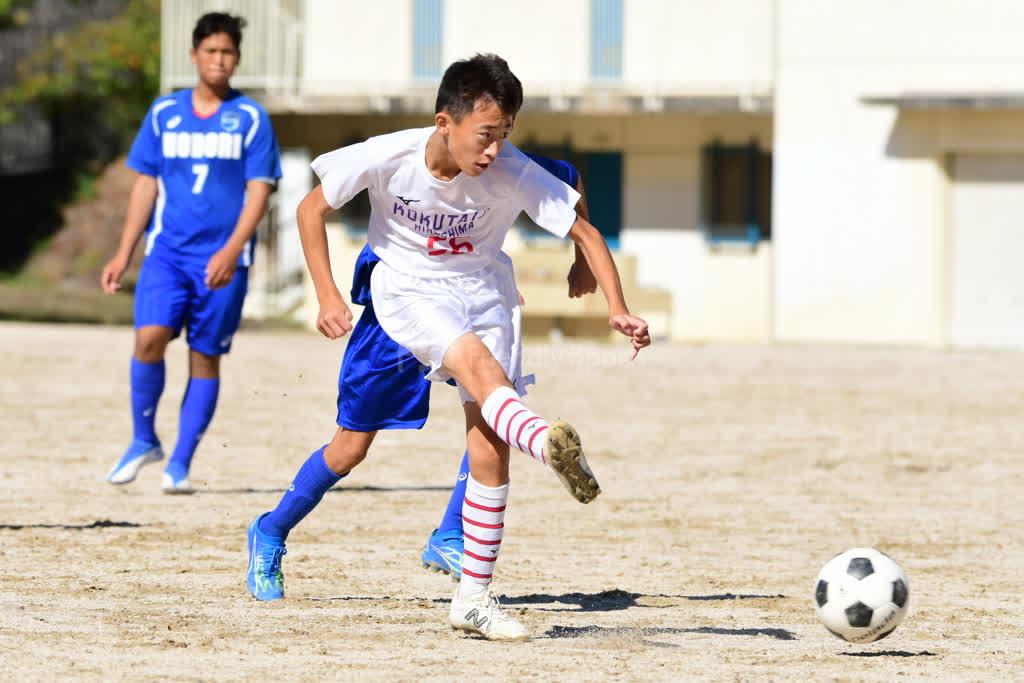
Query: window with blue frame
{"x": 736, "y": 202}
{"x": 427, "y": 36}
{"x": 606, "y": 39}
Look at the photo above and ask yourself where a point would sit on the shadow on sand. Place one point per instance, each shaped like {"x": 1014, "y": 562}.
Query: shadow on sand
{"x": 98, "y": 524}
{"x": 340, "y": 489}
{"x": 643, "y": 632}
{"x": 614, "y": 600}
{"x": 889, "y": 653}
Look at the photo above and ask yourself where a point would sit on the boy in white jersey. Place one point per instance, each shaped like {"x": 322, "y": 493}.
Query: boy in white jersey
{"x": 442, "y": 200}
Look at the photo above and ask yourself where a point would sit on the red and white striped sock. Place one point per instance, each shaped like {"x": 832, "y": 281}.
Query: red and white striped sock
{"x": 514, "y": 423}
{"x": 483, "y": 525}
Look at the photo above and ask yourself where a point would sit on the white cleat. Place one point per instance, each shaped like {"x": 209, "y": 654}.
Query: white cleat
{"x": 179, "y": 487}
{"x": 481, "y": 613}
{"x": 132, "y": 461}
{"x": 565, "y": 455}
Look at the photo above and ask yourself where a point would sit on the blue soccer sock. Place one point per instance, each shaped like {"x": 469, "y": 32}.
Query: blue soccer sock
{"x": 313, "y": 480}
{"x": 147, "y": 382}
{"x": 452, "y": 519}
{"x": 196, "y": 412}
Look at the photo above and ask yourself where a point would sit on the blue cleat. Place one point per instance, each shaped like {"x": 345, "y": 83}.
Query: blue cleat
{"x": 139, "y": 453}
{"x": 443, "y": 553}
{"x": 264, "y": 578}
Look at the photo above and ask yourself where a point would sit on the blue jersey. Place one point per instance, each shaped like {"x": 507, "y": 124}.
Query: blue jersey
{"x": 381, "y": 385}
{"x": 202, "y": 165}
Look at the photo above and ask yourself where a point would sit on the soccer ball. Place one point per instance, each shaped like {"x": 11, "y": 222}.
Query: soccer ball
{"x": 861, "y": 595}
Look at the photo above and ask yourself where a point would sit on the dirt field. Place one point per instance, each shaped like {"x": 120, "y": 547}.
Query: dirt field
{"x": 730, "y": 475}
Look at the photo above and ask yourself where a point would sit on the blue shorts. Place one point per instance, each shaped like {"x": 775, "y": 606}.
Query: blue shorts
{"x": 171, "y": 293}
{"x": 381, "y": 385}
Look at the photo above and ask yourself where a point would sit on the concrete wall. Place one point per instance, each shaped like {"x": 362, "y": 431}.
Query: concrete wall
{"x": 861, "y": 192}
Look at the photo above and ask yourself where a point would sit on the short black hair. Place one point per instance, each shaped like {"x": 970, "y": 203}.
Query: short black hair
{"x": 218, "y": 22}
{"x": 482, "y": 76}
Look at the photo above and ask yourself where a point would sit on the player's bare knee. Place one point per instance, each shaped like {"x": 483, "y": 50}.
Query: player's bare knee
{"x": 347, "y": 449}
{"x": 475, "y": 367}
{"x": 150, "y": 345}
{"x": 203, "y": 366}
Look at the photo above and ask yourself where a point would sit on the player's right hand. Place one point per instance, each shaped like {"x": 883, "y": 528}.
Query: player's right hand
{"x": 110, "y": 279}
{"x": 335, "y": 318}
{"x": 633, "y": 327}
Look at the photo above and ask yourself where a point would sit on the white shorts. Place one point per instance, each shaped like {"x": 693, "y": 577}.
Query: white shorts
{"x": 427, "y": 315}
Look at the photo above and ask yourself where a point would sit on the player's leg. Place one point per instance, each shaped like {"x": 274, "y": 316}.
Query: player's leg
{"x": 269, "y": 531}
{"x": 161, "y": 296}
{"x": 213, "y": 318}
{"x": 556, "y": 444}
{"x": 197, "y": 408}
{"x": 443, "y": 550}
{"x": 474, "y": 607}
{"x": 443, "y": 327}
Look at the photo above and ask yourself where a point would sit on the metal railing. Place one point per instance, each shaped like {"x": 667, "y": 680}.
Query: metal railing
{"x": 271, "y": 43}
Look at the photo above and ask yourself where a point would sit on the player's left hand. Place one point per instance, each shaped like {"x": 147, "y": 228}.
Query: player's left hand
{"x": 581, "y": 279}
{"x": 221, "y": 268}
{"x": 633, "y": 327}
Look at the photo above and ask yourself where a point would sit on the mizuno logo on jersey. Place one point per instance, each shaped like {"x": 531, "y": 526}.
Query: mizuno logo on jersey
{"x": 211, "y": 145}
{"x": 405, "y": 201}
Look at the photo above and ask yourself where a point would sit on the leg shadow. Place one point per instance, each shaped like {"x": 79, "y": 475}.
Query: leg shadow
{"x": 615, "y": 600}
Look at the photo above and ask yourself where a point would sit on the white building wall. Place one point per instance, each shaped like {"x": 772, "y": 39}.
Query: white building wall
{"x": 356, "y": 48}
{"x": 544, "y": 42}
{"x": 353, "y": 47}
{"x": 695, "y": 46}
{"x": 716, "y": 294}
{"x": 860, "y": 226}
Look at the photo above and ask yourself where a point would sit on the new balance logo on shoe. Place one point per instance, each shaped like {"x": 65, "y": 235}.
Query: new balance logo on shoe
{"x": 473, "y": 617}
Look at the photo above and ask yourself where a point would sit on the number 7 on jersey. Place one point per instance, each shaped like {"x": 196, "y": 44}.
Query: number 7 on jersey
{"x": 201, "y": 171}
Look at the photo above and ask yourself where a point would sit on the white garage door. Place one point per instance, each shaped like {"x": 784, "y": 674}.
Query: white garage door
{"x": 988, "y": 251}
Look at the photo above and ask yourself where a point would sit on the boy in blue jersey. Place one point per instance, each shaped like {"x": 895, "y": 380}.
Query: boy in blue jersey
{"x": 207, "y": 161}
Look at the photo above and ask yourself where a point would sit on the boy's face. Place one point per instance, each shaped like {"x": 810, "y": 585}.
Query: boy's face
{"x": 474, "y": 142}
{"x": 215, "y": 59}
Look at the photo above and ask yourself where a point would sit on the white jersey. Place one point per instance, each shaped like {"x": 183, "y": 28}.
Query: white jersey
{"x": 430, "y": 228}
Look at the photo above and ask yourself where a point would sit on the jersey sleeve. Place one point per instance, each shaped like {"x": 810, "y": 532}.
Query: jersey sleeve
{"x": 146, "y": 155}
{"x": 345, "y": 172}
{"x": 547, "y": 200}
{"x": 262, "y": 156}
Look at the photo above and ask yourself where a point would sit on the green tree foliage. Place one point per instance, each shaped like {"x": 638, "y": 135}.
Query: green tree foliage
{"x": 14, "y": 13}
{"x": 110, "y": 68}
{"x": 93, "y": 84}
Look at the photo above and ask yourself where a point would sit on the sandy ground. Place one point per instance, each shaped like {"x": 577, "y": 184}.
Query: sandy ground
{"x": 730, "y": 475}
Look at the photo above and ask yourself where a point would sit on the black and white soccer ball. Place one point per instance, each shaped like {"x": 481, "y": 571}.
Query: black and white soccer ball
{"x": 861, "y": 595}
